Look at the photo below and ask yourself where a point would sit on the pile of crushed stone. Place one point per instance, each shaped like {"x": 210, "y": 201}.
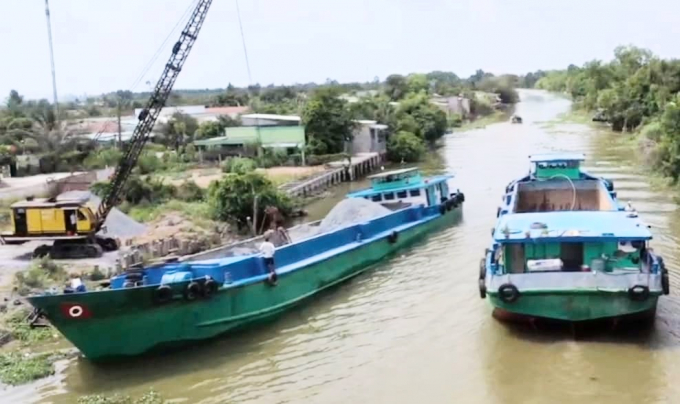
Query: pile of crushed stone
{"x": 118, "y": 224}
{"x": 347, "y": 212}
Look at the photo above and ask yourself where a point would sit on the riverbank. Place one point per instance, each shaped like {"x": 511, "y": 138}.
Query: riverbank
{"x": 484, "y": 121}
{"x": 636, "y": 144}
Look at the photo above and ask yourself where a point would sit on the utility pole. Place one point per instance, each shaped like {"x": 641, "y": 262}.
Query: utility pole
{"x": 120, "y": 129}
{"x": 54, "y": 75}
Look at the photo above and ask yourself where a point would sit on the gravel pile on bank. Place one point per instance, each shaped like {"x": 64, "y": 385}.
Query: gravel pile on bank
{"x": 117, "y": 223}
{"x": 347, "y": 212}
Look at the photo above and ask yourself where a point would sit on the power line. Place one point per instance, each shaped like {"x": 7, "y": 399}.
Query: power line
{"x": 243, "y": 40}
{"x": 153, "y": 59}
{"x": 160, "y": 48}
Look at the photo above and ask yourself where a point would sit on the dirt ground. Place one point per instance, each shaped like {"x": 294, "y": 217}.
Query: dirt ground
{"x": 279, "y": 175}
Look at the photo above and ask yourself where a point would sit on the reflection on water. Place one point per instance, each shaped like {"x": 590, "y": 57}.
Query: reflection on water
{"x": 414, "y": 329}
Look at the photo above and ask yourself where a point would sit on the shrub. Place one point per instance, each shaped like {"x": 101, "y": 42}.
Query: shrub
{"x": 232, "y": 198}
{"x": 103, "y": 158}
{"x": 149, "y": 163}
{"x": 238, "y": 165}
{"x": 455, "y": 121}
{"x": 42, "y": 273}
{"x": 405, "y": 146}
{"x": 189, "y": 191}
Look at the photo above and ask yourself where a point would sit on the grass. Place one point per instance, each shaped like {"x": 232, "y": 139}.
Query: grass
{"x": 20, "y": 368}
{"x": 43, "y": 273}
{"x": 21, "y": 331}
{"x": 480, "y": 123}
{"x": 198, "y": 212}
{"x": 17, "y": 368}
{"x": 572, "y": 116}
{"x": 281, "y": 178}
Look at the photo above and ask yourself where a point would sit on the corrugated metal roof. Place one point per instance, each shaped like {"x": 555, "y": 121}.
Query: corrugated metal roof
{"x": 272, "y": 117}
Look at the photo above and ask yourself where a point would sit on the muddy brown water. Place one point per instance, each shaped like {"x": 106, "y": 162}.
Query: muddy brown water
{"x": 413, "y": 329}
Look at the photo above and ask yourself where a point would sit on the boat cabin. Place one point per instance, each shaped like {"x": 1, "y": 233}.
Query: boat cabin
{"x": 557, "y": 183}
{"x": 612, "y": 242}
{"x": 399, "y": 189}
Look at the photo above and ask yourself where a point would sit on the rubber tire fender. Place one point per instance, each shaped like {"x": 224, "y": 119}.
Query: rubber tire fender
{"x": 482, "y": 288}
{"x": 508, "y": 293}
{"x": 192, "y": 291}
{"x": 393, "y": 237}
{"x": 210, "y": 288}
{"x": 482, "y": 268}
{"x": 164, "y": 294}
{"x": 442, "y": 209}
{"x": 638, "y": 293}
{"x": 665, "y": 280}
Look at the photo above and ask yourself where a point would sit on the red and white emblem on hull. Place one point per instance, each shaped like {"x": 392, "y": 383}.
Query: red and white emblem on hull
{"x": 75, "y": 310}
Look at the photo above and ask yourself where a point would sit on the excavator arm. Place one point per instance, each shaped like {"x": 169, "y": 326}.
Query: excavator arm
{"x": 149, "y": 115}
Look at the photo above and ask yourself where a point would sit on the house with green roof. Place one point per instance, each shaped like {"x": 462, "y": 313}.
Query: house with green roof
{"x": 288, "y": 138}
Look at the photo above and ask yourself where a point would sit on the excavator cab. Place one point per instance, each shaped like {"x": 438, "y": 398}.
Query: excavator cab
{"x": 71, "y": 224}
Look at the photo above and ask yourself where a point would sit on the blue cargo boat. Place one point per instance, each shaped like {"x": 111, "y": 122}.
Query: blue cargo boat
{"x": 564, "y": 248}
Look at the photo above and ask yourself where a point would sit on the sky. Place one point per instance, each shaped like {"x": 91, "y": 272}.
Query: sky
{"x": 104, "y": 45}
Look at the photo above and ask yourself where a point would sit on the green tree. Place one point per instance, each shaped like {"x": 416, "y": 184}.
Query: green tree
{"x": 405, "y": 146}
{"x": 178, "y": 130}
{"x": 417, "y": 115}
{"x": 417, "y": 83}
{"x": 208, "y": 130}
{"x": 328, "y": 121}
{"x": 233, "y": 198}
{"x": 396, "y": 87}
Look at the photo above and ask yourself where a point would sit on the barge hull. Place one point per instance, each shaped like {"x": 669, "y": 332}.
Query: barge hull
{"x": 115, "y": 324}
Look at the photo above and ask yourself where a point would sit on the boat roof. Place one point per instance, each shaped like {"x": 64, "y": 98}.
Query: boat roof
{"x": 426, "y": 182}
{"x": 46, "y": 203}
{"x": 571, "y": 226}
{"x": 550, "y": 157}
{"x": 394, "y": 172}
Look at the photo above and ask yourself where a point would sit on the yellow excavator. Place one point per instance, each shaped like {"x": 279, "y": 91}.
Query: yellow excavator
{"x": 71, "y": 224}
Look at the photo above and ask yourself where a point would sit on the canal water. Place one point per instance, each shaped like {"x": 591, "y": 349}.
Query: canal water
{"x": 414, "y": 329}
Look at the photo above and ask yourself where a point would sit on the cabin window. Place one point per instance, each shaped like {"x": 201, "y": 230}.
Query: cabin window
{"x": 415, "y": 192}
{"x": 81, "y": 216}
{"x": 389, "y": 196}
{"x": 377, "y": 198}
{"x": 402, "y": 194}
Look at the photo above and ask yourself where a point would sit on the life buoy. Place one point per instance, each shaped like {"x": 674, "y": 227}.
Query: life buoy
{"x": 482, "y": 288}
{"x": 164, "y": 294}
{"x": 638, "y": 293}
{"x": 210, "y": 288}
{"x": 192, "y": 291}
{"x": 75, "y": 311}
{"x": 392, "y": 238}
{"x": 508, "y": 293}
